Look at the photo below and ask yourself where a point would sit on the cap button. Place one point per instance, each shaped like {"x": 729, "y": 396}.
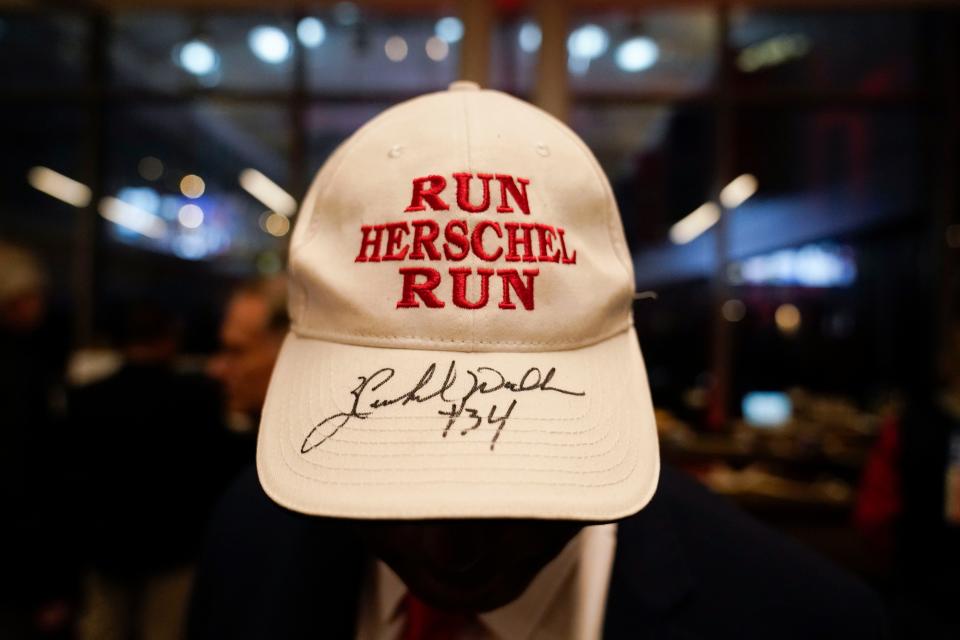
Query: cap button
{"x": 464, "y": 85}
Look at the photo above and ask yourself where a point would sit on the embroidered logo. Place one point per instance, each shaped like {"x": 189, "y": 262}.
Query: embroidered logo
{"x": 427, "y": 239}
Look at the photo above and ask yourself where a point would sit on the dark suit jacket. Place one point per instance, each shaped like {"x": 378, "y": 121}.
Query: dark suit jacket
{"x": 142, "y": 442}
{"x": 689, "y": 565}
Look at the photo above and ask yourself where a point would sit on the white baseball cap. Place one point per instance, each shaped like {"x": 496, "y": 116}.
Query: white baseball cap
{"x": 462, "y": 341}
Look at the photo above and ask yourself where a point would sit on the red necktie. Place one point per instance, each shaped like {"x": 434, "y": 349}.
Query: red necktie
{"x": 426, "y": 623}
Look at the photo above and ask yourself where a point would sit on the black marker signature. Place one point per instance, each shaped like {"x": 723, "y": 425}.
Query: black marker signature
{"x": 483, "y": 381}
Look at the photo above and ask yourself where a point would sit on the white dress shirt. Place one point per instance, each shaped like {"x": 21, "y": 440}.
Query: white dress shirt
{"x": 567, "y": 599}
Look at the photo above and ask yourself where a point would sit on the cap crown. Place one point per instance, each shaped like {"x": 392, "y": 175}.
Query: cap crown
{"x": 464, "y": 220}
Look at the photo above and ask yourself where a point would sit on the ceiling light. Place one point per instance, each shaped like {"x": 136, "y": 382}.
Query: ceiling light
{"x": 132, "y": 217}
{"x": 788, "y": 318}
{"x": 695, "y": 223}
{"x": 198, "y": 57}
{"x": 190, "y": 216}
{"x": 738, "y": 191}
{"x": 589, "y": 41}
{"x": 270, "y": 44}
{"x": 395, "y": 48}
{"x": 192, "y": 186}
{"x": 637, "y": 54}
{"x": 268, "y": 192}
{"x": 311, "y": 32}
{"x": 277, "y": 225}
{"x": 449, "y": 29}
{"x": 529, "y": 37}
{"x": 437, "y": 49}
{"x": 59, "y": 186}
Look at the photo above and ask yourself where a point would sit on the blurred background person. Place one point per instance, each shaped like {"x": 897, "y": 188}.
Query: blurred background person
{"x": 254, "y": 325}
{"x": 36, "y": 582}
{"x": 928, "y": 527}
{"x": 147, "y": 452}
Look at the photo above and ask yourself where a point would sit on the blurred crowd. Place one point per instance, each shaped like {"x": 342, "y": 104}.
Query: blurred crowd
{"x": 113, "y": 457}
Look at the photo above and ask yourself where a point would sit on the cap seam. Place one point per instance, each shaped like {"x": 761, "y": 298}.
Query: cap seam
{"x": 608, "y": 194}
{"x": 636, "y": 457}
{"x": 342, "y": 338}
{"x": 466, "y": 132}
{"x": 349, "y": 145}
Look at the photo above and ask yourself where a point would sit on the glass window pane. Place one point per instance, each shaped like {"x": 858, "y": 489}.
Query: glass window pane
{"x": 865, "y": 52}
{"x": 375, "y": 53}
{"x": 822, "y": 344}
{"x": 43, "y": 51}
{"x": 823, "y": 172}
{"x": 50, "y": 138}
{"x": 330, "y": 124}
{"x": 182, "y": 166}
{"x": 513, "y": 56}
{"x": 659, "y": 160}
{"x": 675, "y": 332}
{"x": 636, "y": 51}
{"x": 173, "y": 52}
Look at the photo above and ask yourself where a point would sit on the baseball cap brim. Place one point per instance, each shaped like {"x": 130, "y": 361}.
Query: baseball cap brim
{"x": 380, "y": 433}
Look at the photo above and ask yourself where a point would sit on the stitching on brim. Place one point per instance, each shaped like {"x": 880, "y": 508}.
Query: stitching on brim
{"x": 604, "y": 183}
{"x": 286, "y": 462}
{"x": 510, "y": 443}
{"x": 526, "y": 511}
{"x": 590, "y": 400}
{"x": 434, "y": 481}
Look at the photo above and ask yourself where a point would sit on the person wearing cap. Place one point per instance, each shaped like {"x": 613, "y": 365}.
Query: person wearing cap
{"x": 458, "y": 440}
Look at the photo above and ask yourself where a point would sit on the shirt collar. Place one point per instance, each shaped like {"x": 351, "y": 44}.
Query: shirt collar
{"x": 519, "y": 618}
{"x": 390, "y": 592}
{"x": 516, "y": 619}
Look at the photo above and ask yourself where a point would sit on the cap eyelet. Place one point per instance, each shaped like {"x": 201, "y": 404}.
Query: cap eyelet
{"x": 395, "y": 151}
{"x": 543, "y": 149}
